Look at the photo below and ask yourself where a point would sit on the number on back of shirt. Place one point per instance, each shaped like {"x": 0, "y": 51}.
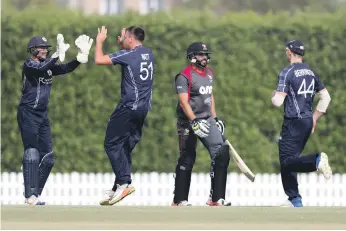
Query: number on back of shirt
{"x": 305, "y": 91}
{"x": 146, "y": 70}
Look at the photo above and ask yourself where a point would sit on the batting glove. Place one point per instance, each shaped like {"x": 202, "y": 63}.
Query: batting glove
{"x": 83, "y": 42}
{"x": 220, "y": 125}
{"x": 61, "y": 48}
{"x": 200, "y": 127}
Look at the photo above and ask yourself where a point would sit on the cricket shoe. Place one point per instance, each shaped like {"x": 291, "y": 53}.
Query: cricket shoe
{"x": 33, "y": 200}
{"x": 42, "y": 202}
{"x": 323, "y": 166}
{"x": 38, "y": 198}
{"x": 107, "y": 196}
{"x": 121, "y": 192}
{"x": 296, "y": 202}
{"x": 220, "y": 202}
{"x": 39, "y": 202}
{"x": 181, "y": 203}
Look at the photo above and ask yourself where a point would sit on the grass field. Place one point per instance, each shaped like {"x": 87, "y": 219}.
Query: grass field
{"x": 199, "y": 217}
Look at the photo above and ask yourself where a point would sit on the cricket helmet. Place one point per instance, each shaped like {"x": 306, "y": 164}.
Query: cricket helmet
{"x": 37, "y": 41}
{"x": 197, "y": 48}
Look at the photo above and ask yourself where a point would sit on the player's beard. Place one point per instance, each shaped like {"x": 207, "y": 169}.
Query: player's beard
{"x": 203, "y": 63}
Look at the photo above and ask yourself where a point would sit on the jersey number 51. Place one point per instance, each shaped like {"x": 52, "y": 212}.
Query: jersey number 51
{"x": 146, "y": 70}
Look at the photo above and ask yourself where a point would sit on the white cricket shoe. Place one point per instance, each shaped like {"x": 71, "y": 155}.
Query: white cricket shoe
{"x": 323, "y": 166}
{"x": 181, "y": 203}
{"x": 42, "y": 202}
{"x": 107, "y": 196}
{"x": 296, "y": 202}
{"x": 33, "y": 200}
{"x": 121, "y": 192}
{"x": 220, "y": 202}
{"x": 287, "y": 204}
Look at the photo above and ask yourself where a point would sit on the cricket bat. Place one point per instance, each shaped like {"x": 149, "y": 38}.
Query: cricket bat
{"x": 240, "y": 163}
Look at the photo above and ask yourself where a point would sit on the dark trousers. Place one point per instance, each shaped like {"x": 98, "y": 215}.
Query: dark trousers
{"x": 188, "y": 142}
{"x": 123, "y": 132}
{"x": 294, "y": 135}
{"x": 35, "y": 130}
{"x": 36, "y": 134}
{"x": 187, "y": 147}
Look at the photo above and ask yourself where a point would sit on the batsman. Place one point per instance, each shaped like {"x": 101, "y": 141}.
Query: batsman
{"x": 196, "y": 119}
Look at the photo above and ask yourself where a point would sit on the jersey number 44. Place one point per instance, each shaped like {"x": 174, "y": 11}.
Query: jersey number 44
{"x": 306, "y": 91}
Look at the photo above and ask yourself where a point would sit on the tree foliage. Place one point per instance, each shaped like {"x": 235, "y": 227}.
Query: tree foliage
{"x": 261, "y": 6}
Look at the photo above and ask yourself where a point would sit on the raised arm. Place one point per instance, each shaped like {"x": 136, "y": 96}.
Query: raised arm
{"x": 100, "y": 57}
{"x": 65, "y": 68}
{"x": 119, "y": 57}
{"x": 34, "y": 67}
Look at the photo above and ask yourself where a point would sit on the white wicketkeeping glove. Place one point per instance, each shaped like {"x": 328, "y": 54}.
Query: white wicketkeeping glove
{"x": 83, "y": 42}
{"x": 200, "y": 127}
{"x": 61, "y": 48}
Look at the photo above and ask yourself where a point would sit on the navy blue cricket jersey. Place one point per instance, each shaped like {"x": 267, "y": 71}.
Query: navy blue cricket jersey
{"x": 137, "y": 71}
{"x": 300, "y": 83}
{"x": 37, "y": 80}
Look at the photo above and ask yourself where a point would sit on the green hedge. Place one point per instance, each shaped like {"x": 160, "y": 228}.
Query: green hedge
{"x": 248, "y": 54}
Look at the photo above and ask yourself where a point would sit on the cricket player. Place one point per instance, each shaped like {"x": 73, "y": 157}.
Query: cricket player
{"x": 196, "y": 118}
{"x": 32, "y": 115}
{"x": 124, "y": 128}
{"x": 297, "y": 86}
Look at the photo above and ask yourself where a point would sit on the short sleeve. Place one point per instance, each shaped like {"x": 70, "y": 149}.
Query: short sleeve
{"x": 120, "y": 57}
{"x": 283, "y": 80}
{"x": 181, "y": 84}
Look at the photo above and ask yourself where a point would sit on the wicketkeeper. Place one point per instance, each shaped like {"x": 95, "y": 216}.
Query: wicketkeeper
{"x": 32, "y": 115}
{"x": 196, "y": 118}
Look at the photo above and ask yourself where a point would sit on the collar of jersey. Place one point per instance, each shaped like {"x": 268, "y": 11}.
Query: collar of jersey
{"x": 137, "y": 47}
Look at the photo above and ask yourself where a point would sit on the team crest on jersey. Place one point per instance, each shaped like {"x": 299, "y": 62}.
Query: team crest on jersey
{"x": 49, "y": 72}
{"x": 204, "y": 47}
{"x": 210, "y": 78}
